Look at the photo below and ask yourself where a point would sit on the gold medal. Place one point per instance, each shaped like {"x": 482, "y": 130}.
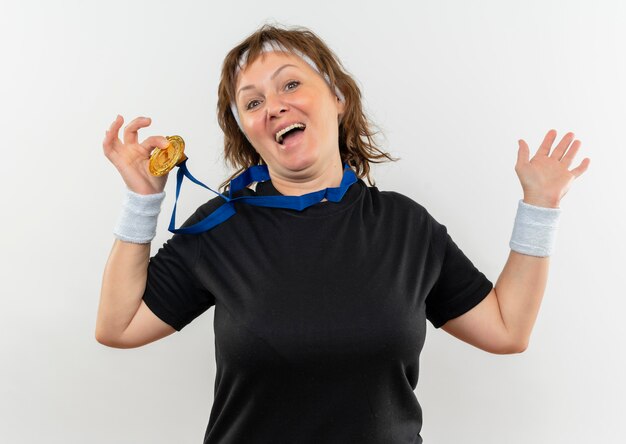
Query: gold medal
{"x": 162, "y": 160}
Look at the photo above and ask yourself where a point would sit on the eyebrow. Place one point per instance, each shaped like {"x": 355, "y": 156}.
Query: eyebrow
{"x": 271, "y": 78}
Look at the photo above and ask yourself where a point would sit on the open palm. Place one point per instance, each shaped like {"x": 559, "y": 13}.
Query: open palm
{"x": 546, "y": 177}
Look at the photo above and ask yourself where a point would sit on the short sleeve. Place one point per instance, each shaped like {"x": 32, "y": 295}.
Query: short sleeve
{"x": 459, "y": 287}
{"x": 173, "y": 291}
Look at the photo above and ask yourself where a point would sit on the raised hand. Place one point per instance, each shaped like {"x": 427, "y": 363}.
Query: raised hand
{"x": 131, "y": 157}
{"x": 546, "y": 177}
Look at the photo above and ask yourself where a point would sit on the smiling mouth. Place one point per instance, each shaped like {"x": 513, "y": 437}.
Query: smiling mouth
{"x": 288, "y": 132}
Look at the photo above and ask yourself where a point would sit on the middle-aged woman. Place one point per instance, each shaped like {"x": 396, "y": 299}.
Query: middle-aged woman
{"x": 320, "y": 311}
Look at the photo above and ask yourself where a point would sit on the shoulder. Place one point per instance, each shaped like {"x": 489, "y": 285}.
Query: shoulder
{"x": 411, "y": 214}
{"x": 399, "y": 203}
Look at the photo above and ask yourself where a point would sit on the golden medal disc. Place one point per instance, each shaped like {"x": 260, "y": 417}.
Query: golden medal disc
{"x": 162, "y": 160}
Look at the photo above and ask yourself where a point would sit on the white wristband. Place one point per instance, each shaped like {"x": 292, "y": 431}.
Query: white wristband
{"x": 138, "y": 221}
{"x": 534, "y": 232}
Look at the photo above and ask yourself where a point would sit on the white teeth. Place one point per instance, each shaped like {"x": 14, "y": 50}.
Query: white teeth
{"x": 279, "y": 134}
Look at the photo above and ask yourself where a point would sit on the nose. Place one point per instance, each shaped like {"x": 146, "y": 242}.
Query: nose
{"x": 275, "y": 106}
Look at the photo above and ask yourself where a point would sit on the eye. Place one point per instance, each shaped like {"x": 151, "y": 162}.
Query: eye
{"x": 293, "y": 82}
{"x": 250, "y": 103}
{"x": 287, "y": 86}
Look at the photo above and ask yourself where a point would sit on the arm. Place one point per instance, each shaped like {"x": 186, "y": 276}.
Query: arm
{"x": 123, "y": 318}
{"x": 503, "y": 321}
{"x": 124, "y": 321}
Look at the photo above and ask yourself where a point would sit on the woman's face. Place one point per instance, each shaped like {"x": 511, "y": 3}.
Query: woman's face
{"x": 278, "y": 90}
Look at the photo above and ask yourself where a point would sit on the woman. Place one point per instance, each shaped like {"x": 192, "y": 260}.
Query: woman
{"x": 320, "y": 313}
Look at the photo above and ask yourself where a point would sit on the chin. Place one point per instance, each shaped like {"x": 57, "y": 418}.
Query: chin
{"x": 298, "y": 164}
{"x": 298, "y": 161}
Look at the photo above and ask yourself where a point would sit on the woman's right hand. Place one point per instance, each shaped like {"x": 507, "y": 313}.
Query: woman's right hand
{"x": 131, "y": 157}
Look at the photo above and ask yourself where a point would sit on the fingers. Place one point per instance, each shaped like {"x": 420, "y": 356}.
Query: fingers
{"x": 130, "y": 132}
{"x": 571, "y": 153}
{"x": 569, "y": 157}
{"x": 523, "y": 152}
{"x": 111, "y": 135}
{"x": 565, "y": 151}
{"x": 562, "y": 146}
{"x": 153, "y": 142}
{"x": 548, "y": 140}
{"x": 582, "y": 167}
{"x": 111, "y": 138}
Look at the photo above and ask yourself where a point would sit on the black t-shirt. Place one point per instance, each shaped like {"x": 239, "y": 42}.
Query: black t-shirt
{"x": 320, "y": 315}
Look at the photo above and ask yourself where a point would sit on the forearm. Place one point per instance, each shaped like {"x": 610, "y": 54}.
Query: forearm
{"x": 519, "y": 289}
{"x": 123, "y": 285}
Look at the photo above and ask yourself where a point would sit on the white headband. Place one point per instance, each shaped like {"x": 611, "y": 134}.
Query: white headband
{"x": 270, "y": 46}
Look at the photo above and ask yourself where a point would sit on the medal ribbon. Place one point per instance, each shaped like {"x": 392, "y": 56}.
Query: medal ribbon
{"x": 256, "y": 173}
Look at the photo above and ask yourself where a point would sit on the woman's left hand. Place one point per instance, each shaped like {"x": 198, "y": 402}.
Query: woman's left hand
{"x": 546, "y": 177}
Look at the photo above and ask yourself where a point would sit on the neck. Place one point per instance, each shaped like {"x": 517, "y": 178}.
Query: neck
{"x": 330, "y": 177}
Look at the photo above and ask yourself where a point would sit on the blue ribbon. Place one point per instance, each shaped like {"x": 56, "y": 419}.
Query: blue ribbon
{"x": 256, "y": 173}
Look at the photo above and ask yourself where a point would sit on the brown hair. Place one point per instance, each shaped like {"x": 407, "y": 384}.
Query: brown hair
{"x": 356, "y": 144}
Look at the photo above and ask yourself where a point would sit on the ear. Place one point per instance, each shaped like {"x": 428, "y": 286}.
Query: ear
{"x": 341, "y": 109}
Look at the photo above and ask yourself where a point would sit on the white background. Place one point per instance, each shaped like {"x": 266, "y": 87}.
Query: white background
{"x": 452, "y": 84}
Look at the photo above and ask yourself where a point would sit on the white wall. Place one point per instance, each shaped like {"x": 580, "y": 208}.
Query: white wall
{"x": 453, "y": 84}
